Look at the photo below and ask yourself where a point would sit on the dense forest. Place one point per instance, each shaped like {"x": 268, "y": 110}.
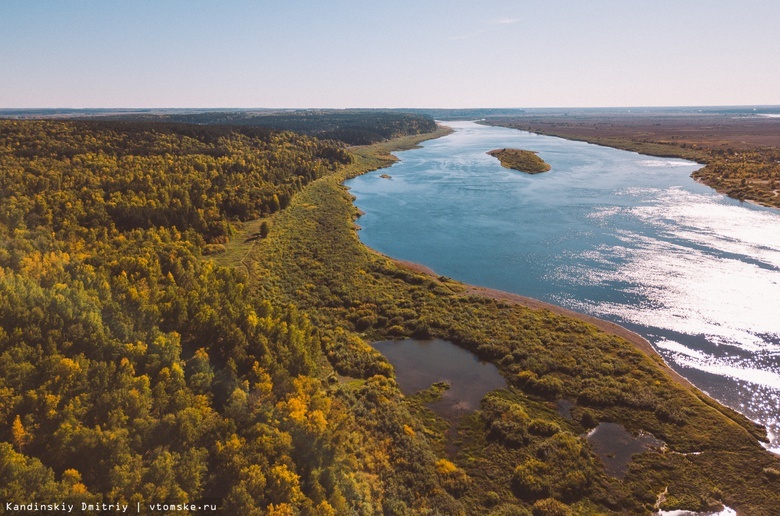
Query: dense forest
{"x": 132, "y": 370}
{"x": 141, "y": 362}
{"x": 353, "y": 127}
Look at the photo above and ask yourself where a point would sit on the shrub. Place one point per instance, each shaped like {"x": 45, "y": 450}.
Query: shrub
{"x": 509, "y": 509}
{"x": 396, "y": 330}
{"x": 452, "y": 478}
{"x": 210, "y": 249}
{"x": 265, "y": 228}
{"x": 589, "y": 419}
{"x": 543, "y": 428}
{"x": 551, "y": 507}
{"x": 547, "y": 386}
{"x": 597, "y": 397}
{"x": 671, "y": 413}
{"x": 491, "y": 499}
{"x": 527, "y": 482}
{"x": 508, "y": 421}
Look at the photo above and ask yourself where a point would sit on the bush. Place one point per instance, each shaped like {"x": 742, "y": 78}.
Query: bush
{"x": 491, "y": 499}
{"x": 396, "y": 330}
{"x": 509, "y": 509}
{"x": 598, "y": 397}
{"x": 543, "y": 428}
{"x": 588, "y": 419}
{"x": 527, "y": 482}
{"x": 508, "y": 421}
{"x": 551, "y": 507}
{"x": 547, "y": 386}
{"x": 452, "y": 478}
{"x": 210, "y": 249}
{"x": 351, "y": 356}
{"x": 671, "y": 413}
{"x": 265, "y": 228}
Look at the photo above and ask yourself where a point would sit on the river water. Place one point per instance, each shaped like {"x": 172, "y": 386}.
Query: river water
{"x": 615, "y": 234}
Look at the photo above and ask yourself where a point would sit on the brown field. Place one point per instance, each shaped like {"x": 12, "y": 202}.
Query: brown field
{"x": 708, "y": 130}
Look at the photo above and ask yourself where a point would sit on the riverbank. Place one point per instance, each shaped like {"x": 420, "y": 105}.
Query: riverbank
{"x": 739, "y": 153}
{"x": 534, "y": 304}
{"x": 312, "y": 258}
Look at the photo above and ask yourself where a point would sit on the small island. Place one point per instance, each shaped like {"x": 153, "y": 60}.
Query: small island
{"x": 522, "y": 160}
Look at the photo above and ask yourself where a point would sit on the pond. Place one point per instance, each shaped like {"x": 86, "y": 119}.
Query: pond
{"x": 420, "y": 363}
{"x": 615, "y": 446}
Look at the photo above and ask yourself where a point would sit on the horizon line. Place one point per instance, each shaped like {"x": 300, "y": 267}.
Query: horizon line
{"x": 260, "y": 108}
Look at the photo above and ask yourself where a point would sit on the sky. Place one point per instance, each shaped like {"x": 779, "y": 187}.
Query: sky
{"x": 386, "y": 54}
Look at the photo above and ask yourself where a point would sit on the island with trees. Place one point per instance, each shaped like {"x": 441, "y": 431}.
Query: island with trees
{"x": 521, "y": 160}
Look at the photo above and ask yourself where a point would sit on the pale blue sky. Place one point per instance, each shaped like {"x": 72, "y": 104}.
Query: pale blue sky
{"x": 422, "y": 53}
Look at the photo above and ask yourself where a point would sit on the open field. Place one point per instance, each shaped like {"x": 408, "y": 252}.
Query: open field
{"x": 702, "y": 130}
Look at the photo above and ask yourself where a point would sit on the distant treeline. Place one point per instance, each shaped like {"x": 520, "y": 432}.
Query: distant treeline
{"x": 465, "y": 113}
{"x": 351, "y": 127}
{"x": 736, "y": 163}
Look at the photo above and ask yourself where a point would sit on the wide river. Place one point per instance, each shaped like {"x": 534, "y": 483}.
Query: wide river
{"x": 615, "y": 234}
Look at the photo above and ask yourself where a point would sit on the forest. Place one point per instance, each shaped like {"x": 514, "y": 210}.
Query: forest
{"x": 142, "y": 362}
{"x": 131, "y": 369}
{"x": 353, "y": 126}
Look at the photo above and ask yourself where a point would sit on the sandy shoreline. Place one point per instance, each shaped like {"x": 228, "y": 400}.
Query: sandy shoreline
{"x": 611, "y": 328}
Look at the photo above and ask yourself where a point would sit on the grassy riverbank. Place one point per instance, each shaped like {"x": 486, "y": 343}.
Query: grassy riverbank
{"x": 518, "y": 451}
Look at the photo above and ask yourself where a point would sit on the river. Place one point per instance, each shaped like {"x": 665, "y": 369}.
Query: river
{"x": 614, "y": 234}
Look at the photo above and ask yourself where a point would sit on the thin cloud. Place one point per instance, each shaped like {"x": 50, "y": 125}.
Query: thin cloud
{"x": 506, "y": 21}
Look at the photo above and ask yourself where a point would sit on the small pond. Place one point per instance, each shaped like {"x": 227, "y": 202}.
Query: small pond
{"x": 615, "y": 445}
{"x": 420, "y": 363}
